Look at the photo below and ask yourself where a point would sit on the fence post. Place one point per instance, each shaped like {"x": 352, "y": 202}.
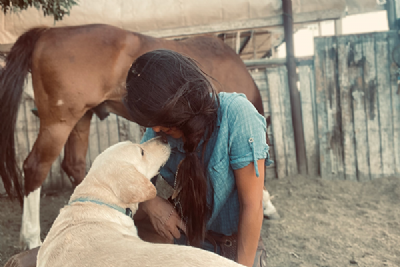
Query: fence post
{"x": 294, "y": 92}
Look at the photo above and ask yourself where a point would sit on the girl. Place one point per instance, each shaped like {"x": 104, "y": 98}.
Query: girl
{"x": 218, "y": 156}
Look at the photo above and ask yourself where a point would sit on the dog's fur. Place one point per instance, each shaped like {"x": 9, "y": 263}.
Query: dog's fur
{"x": 269, "y": 209}
{"x": 90, "y": 234}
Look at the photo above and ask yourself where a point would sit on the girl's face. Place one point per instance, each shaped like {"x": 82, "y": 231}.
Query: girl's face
{"x": 172, "y": 131}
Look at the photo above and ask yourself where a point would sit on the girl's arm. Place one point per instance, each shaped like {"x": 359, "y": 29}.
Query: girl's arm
{"x": 250, "y": 190}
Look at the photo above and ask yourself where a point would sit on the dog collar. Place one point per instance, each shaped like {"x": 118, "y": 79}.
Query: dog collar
{"x": 127, "y": 211}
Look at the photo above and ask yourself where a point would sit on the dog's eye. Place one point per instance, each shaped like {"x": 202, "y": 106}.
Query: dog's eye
{"x": 142, "y": 152}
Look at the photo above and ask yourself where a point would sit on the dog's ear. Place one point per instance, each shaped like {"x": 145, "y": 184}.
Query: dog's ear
{"x": 130, "y": 185}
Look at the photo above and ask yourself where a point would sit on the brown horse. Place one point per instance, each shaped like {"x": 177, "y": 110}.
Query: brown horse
{"x": 78, "y": 71}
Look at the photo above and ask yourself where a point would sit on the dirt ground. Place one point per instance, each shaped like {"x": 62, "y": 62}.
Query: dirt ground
{"x": 324, "y": 223}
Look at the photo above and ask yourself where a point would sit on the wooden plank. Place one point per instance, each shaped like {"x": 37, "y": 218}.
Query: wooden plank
{"x": 307, "y": 91}
{"x": 102, "y": 134}
{"x": 123, "y": 129}
{"x": 333, "y": 109}
{"x": 385, "y": 104}
{"x": 274, "y": 83}
{"x": 270, "y": 171}
{"x": 128, "y": 130}
{"x": 273, "y": 62}
{"x": 65, "y": 181}
{"x": 260, "y": 79}
{"x": 329, "y": 103}
{"x": 348, "y": 144}
{"x": 94, "y": 149}
{"x": 395, "y": 96}
{"x": 281, "y": 119}
{"x": 88, "y": 162}
{"x": 315, "y": 116}
{"x": 21, "y": 137}
{"x": 328, "y": 109}
{"x": 356, "y": 64}
{"x": 290, "y": 148}
{"x": 135, "y": 132}
{"x": 113, "y": 129}
{"x": 371, "y": 109}
{"x": 320, "y": 99}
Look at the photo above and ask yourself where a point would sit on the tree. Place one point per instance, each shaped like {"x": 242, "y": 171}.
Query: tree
{"x": 55, "y": 8}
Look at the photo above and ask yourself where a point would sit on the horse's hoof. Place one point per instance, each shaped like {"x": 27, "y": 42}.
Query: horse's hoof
{"x": 28, "y": 244}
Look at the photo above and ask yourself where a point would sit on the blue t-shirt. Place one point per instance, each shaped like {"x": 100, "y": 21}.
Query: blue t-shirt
{"x": 239, "y": 138}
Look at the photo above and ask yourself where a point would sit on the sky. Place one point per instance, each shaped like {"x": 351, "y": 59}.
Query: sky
{"x": 362, "y": 23}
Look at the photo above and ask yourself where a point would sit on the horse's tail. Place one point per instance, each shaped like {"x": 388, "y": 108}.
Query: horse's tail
{"x": 12, "y": 78}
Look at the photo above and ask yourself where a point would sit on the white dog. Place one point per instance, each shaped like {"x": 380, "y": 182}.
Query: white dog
{"x": 93, "y": 230}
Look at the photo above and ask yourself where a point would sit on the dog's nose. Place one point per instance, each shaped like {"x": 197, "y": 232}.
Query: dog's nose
{"x": 164, "y": 138}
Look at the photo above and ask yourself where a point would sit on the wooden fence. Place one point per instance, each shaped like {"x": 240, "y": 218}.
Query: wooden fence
{"x": 357, "y": 106}
{"x": 350, "y": 108}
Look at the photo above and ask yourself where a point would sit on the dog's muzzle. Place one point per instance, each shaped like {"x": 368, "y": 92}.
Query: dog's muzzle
{"x": 163, "y": 137}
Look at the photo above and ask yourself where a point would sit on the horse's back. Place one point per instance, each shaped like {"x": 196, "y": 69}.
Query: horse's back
{"x": 82, "y": 38}
{"x": 97, "y": 46}
{"x": 220, "y": 62}
{"x": 69, "y": 62}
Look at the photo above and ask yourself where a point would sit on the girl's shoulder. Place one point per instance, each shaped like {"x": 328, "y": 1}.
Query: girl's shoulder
{"x": 235, "y": 104}
{"x": 232, "y": 100}
{"x": 237, "y": 111}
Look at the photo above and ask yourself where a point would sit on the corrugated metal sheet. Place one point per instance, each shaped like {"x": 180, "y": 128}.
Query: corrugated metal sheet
{"x": 167, "y": 18}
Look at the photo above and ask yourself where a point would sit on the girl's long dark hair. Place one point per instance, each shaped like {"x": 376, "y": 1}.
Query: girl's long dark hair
{"x": 165, "y": 88}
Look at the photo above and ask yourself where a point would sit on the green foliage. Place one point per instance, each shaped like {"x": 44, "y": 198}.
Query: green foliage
{"x": 55, "y": 8}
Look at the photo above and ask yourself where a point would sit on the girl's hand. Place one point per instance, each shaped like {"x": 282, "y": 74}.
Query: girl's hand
{"x": 164, "y": 218}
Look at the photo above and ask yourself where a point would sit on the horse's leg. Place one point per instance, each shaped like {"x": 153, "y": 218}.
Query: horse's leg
{"x": 74, "y": 162}
{"x": 48, "y": 145}
{"x": 30, "y": 228}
